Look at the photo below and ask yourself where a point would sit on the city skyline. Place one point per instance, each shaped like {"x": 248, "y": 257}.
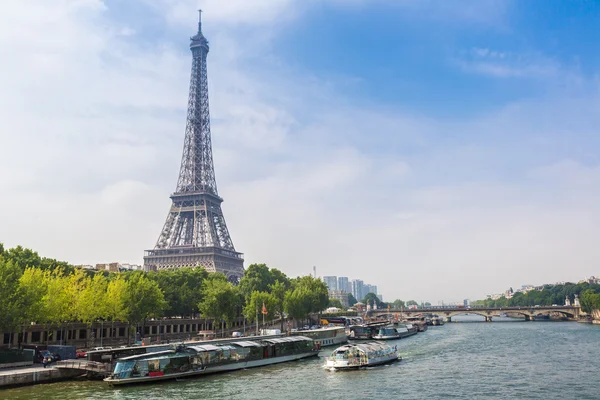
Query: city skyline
{"x": 446, "y": 150}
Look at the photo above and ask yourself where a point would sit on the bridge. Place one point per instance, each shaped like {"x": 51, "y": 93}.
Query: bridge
{"x": 528, "y": 312}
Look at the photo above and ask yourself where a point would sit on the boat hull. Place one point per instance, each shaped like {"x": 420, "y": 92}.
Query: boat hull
{"x": 387, "y": 337}
{"x": 337, "y": 365}
{"x": 211, "y": 370}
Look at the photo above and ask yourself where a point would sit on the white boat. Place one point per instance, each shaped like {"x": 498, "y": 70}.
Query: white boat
{"x": 322, "y": 337}
{"x": 192, "y": 360}
{"x": 359, "y": 355}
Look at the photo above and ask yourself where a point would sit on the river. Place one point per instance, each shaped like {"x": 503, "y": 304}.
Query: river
{"x": 505, "y": 359}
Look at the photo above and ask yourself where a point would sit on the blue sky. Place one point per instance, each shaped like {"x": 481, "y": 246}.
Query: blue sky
{"x": 448, "y": 142}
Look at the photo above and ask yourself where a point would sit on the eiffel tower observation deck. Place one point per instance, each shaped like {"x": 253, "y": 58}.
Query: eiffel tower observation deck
{"x": 195, "y": 233}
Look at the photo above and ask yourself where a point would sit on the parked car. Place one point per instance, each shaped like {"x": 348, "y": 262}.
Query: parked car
{"x": 237, "y": 334}
{"x": 81, "y": 354}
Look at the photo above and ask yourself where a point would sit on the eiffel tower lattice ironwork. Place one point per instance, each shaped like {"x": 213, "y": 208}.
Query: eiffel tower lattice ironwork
{"x": 195, "y": 233}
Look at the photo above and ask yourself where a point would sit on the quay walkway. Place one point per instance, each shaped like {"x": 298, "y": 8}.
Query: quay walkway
{"x": 33, "y": 375}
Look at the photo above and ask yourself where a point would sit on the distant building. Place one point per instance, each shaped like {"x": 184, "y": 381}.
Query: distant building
{"x": 357, "y": 289}
{"x": 86, "y": 266}
{"x": 342, "y": 284}
{"x": 340, "y": 295}
{"x": 466, "y": 302}
{"x": 331, "y": 282}
{"x": 371, "y": 289}
{"x": 119, "y": 267}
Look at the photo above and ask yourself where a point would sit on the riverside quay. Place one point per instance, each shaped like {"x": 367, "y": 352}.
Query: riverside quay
{"x": 108, "y": 334}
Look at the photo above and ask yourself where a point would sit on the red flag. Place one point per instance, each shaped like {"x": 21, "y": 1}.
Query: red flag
{"x": 264, "y": 309}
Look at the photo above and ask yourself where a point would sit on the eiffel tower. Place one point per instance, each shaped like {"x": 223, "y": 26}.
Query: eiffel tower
{"x": 195, "y": 233}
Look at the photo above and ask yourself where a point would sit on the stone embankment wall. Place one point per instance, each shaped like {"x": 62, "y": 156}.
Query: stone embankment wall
{"x": 596, "y": 316}
{"x": 30, "y": 376}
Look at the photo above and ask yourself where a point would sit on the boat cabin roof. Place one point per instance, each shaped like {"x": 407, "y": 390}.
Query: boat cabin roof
{"x": 364, "y": 347}
{"x": 145, "y": 355}
{"x": 288, "y": 339}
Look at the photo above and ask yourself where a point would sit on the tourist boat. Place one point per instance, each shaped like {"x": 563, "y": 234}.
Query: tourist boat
{"x": 199, "y": 359}
{"x": 325, "y": 336}
{"x": 365, "y": 331}
{"x": 406, "y": 330}
{"x": 437, "y": 321}
{"x": 387, "y": 333}
{"x": 352, "y": 356}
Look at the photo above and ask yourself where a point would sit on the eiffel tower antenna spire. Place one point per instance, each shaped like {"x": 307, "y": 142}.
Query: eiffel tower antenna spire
{"x": 195, "y": 233}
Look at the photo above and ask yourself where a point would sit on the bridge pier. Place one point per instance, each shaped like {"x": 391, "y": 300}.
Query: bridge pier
{"x": 529, "y": 318}
{"x": 448, "y": 319}
{"x": 488, "y": 319}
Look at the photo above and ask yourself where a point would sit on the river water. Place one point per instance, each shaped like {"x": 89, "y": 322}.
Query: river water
{"x": 505, "y": 359}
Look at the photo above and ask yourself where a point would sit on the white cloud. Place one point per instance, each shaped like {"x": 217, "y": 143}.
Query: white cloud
{"x": 501, "y": 64}
{"x": 94, "y": 122}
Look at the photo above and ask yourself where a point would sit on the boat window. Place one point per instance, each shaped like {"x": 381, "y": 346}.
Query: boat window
{"x": 153, "y": 365}
{"x": 124, "y": 369}
{"x": 242, "y": 353}
{"x": 177, "y": 364}
{"x": 140, "y": 368}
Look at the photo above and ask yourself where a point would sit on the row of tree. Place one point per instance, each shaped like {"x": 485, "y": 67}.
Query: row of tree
{"x": 47, "y": 291}
{"x": 588, "y": 293}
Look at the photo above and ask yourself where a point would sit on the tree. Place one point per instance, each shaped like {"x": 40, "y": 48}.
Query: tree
{"x": 182, "y": 289}
{"x": 307, "y": 295}
{"x": 335, "y": 303}
{"x": 116, "y": 305}
{"x": 371, "y": 298}
{"x": 398, "y": 304}
{"x": 10, "y": 314}
{"x": 257, "y": 278}
{"x": 254, "y": 307}
{"x": 351, "y": 299}
{"x": 590, "y": 301}
{"x": 220, "y": 298}
{"x": 93, "y": 301}
{"x": 278, "y": 290}
{"x": 143, "y": 298}
{"x": 411, "y": 303}
{"x": 33, "y": 287}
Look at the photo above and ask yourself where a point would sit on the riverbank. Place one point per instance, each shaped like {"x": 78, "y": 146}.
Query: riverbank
{"x": 16, "y": 377}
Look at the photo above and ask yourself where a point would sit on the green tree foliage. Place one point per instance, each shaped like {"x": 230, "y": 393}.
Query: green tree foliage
{"x": 254, "y": 308}
{"x": 590, "y": 301}
{"x": 33, "y": 287}
{"x": 351, "y": 299}
{"x": 143, "y": 298}
{"x": 10, "y": 313}
{"x": 23, "y": 257}
{"x": 259, "y": 278}
{"x": 220, "y": 300}
{"x": 398, "y": 304}
{"x": 182, "y": 289}
{"x": 411, "y": 303}
{"x": 47, "y": 291}
{"x": 335, "y": 303}
{"x": 307, "y": 295}
{"x": 115, "y": 302}
{"x": 550, "y": 294}
{"x": 371, "y": 298}
{"x": 92, "y": 304}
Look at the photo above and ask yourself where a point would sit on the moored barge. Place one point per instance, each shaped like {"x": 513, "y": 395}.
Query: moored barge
{"x": 193, "y": 360}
